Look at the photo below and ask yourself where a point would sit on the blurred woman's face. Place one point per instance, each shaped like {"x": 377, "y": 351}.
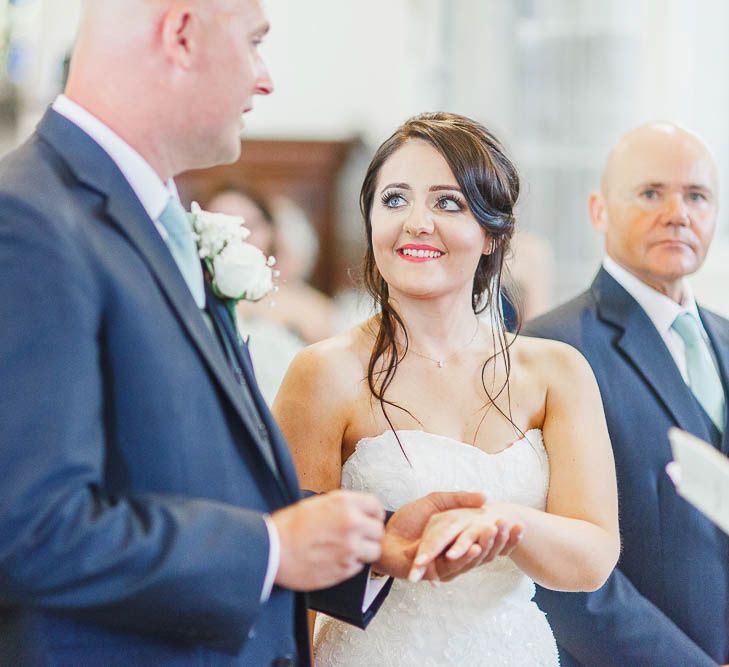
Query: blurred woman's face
{"x": 425, "y": 239}
{"x": 235, "y": 203}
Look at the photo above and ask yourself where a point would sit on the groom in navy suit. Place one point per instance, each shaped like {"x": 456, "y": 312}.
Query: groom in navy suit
{"x": 149, "y": 510}
{"x": 660, "y": 361}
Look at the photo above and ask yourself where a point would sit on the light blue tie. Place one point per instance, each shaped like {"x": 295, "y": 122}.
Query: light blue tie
{"x": 703, "y": 377}
{"x": 181, "y": 242}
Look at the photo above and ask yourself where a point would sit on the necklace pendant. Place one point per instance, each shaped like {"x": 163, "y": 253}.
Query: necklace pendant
{"x": 440, "y": 364}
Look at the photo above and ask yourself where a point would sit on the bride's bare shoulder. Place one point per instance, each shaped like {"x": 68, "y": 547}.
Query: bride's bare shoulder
{"x": 335, "y": 365}
{"x": 551, "y": 359}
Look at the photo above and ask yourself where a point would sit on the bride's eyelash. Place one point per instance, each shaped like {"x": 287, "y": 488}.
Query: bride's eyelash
{"x": 455, "y": 198}
{"x": 388, "y": 195}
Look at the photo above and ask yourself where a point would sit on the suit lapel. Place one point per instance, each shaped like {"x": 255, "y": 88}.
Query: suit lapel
{"x": 93, "y": 167}
{"x": 279, "y": 449}
{"x": 719, "y": 337}
{"x": 639, "y": 341}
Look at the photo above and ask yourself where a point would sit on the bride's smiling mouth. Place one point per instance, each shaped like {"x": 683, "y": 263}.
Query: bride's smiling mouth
{"x": 419, "y": 253}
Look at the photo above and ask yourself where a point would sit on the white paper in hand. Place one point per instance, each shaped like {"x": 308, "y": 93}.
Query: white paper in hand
{"x": 702, "y": 477}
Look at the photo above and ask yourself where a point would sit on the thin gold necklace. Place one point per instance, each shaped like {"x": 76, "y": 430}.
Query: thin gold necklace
{"x": 441, "y": 362}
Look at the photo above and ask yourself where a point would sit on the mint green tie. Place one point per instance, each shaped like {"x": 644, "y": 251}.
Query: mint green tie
{"x": 703, "y": 377}
{"x": 181, "y": 242}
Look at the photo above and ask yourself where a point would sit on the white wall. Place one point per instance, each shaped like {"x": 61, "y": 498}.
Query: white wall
{"x": 558, "y": 80}
{"x": 44, "y": 31}
{"x": 344, "y": 69}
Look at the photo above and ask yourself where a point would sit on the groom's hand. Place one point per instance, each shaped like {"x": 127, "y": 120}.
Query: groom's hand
{"x": 327, "y": 538}
{"x": 405, "y": 529}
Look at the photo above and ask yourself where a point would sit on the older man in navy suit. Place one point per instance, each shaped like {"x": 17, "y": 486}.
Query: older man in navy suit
{"x": 149, "y": 510}
{"x": 660, "y": 361}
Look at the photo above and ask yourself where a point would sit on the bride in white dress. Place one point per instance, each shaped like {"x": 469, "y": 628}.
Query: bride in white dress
{"x": 425, "y": 396}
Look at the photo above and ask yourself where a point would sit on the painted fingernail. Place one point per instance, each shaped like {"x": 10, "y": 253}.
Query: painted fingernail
{"x": 416, "y": 574}
{"x": 422, "y": 559}
{"x": 454, "y": 553}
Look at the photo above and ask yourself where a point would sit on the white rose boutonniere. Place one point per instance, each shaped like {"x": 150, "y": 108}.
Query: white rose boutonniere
{"x": 241, "y": 269}
{"x": 238, "y": 270}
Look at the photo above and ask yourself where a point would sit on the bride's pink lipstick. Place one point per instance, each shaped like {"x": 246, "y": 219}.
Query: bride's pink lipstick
{"x": 419, "y": 253}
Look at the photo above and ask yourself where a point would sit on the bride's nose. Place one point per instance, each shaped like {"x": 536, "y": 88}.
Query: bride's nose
{"x": 419, "y": 222}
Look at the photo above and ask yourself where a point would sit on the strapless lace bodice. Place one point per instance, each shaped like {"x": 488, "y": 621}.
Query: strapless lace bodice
{"x": 485, "y": 617}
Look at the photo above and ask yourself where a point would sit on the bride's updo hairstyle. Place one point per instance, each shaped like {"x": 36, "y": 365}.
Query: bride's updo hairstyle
{"x": 489, "y": 183}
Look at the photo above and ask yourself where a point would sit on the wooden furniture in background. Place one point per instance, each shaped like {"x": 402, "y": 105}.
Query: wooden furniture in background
{"x": 305, "y": 171}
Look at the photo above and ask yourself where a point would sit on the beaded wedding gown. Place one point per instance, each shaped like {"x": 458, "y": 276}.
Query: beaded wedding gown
{"x": 484, "y": 617}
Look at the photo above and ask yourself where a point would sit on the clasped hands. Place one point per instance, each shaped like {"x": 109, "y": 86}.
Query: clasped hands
{"x": 328, "y": 538}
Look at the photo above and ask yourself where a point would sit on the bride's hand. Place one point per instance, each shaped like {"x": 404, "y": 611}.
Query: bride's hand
{"x": 464, "y": 539}
{"x": 405, "y": 529}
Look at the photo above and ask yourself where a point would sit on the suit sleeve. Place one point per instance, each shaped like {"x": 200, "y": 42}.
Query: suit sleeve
{"x": 616, "y": 626}
{"x": 160, "y": 565}
{"x": 344, "y": 601}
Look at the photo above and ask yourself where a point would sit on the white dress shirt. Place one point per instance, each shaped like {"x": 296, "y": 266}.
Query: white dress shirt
{"x": 153, "y": 194}
{"x": 662, "y": 311}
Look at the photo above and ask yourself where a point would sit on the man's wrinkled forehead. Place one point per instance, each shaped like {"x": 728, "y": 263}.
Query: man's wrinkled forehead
{"x": 660, "y": 157}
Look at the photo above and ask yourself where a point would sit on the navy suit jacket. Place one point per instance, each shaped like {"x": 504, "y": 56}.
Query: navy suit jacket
{"x": 667, "y": 602}
{"x": 136, "y": 472}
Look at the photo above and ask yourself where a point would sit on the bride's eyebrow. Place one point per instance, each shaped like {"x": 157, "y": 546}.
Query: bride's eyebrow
{"x": 396, "y": 186}
{"x": 438, "y": 188}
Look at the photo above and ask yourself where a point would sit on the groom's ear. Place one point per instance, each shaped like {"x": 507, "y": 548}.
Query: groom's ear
{"x": 181, "y": 34}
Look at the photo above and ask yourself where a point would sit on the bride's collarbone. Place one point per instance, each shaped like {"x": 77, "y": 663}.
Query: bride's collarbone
{"x": 463, "y": 362}
{"x": 435, "y": 391}
{"x": 465, "y": 375}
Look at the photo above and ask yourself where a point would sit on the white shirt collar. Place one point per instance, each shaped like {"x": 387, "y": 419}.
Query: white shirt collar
{"x": 147, "y": 185}
{"x": 661, "y": 310}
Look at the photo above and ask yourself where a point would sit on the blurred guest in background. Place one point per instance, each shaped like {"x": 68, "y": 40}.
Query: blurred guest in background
{"x": 252, "y": 207}
{"x": 660, "y": 361}
{"x": 296, "y": 314}
{"x": 308, "y": 312}
{"x": 528, "y": 279}
{"x": 272, "y": 343}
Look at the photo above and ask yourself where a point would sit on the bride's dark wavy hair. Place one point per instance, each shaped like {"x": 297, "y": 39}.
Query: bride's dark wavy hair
{"x": 489, "y": 183}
